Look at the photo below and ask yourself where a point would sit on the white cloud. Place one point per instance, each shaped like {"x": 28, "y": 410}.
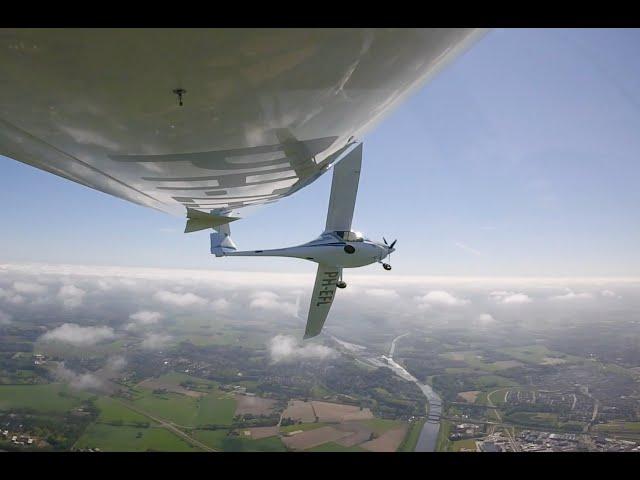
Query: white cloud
{"x": 221, "y": 304}
{"x": 5, "y": 318}
{"x": 77, "y": 335}
{"x": 570, "y": 295}
{"x": 271, "y": 301}
{"x": 116, "y": 363}
{"x": 382, "y": 293}
{"x": 510, "y": 298}
{"x": 85, "y": 381}
{"x": 29, "y": 288}
{"x": 71, "y": 296}
{"x": 485, "y": 319}
{"x": 155, "y": 341}
{"x": 609, "y": 294}
{"x": 517, "y": 298}
{"x": 286, "y": 347}
{"x": 180, "y": 299}
{"x": 146, "y": 317}
{"x": 11, "y": 297}
{"x": 439, "y": 297}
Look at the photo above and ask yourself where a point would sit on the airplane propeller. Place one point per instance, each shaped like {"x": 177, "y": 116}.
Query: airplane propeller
{"x": 392, "y": 243}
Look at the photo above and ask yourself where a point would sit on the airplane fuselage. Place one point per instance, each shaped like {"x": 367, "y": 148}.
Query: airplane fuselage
{"x": 328, "y": 250}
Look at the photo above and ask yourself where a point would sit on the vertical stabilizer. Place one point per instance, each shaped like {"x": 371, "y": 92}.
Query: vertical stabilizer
{"x": 221, "y": 242}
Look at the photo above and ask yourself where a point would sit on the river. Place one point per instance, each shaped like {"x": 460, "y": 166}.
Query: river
{"x": 429, "y": 434}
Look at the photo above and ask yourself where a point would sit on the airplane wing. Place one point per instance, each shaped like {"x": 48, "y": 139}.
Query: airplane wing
{"x": 208, "y": 119}
{"x": 344, "y": 189}
{"x": 321, "y": 299}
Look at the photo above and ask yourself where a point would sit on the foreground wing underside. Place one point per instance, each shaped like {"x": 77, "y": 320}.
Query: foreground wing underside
{"x": 264, "y": 111}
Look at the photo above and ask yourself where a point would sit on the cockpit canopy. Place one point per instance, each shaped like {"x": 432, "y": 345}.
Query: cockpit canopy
{"x": 349, "y": 236}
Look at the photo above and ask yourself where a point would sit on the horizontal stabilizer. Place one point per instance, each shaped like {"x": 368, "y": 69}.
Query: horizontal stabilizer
{"x": 197, "y": 220}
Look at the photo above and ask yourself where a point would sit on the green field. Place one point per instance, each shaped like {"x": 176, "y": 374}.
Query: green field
{"x": 497, "y": 396}
{"x": 626, "y": 427}
{"x": 112, "y": 410}
{"x": 536, "y": 419}
{"x": 176, "y": 378}
{"x": 442, "y": 444}
{"x": 238, "y": 444}
{"x": 381, "y": 425}
{"x": 216, "y": 408}
{"x": 469, "y": 443}
{"x": 302, "y": 426}
{"x": 537, "y": 354}
{"x": 335, "y": 447}
{"x": 493, "y": 381}
{"x": 474, "y": 361}
{"x": 211, "y": 438}
{"x": 51, "y": 397}
{"x": 411, "y": 440}
{"x": 130, "y": 439}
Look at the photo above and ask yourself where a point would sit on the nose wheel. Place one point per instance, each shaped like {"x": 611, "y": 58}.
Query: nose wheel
{"x": 386, "y": 266}
{"x": 341, "y": 284}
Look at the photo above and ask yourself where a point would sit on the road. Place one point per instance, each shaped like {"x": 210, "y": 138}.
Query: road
{"x": 512, "y": 440}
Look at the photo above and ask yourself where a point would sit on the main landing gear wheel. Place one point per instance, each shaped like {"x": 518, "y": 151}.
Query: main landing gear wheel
{"x": 386, "y": 266}
{"x": 341, "y": 284}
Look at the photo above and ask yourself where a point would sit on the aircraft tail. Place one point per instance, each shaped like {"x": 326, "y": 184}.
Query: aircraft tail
{"x": 221, "y": 242}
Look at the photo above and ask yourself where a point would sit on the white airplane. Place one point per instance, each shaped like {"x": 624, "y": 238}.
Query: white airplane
{"x": 216, "y": 120}
{"x": 338, "y": 247}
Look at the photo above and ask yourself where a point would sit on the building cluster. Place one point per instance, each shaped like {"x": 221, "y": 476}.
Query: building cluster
{"x": 494, "y": 442}
{"x": 39, "y": 359}
{"x": 533, "y": 441}
{"x": 571, "y": 405}
{"x": 19, "y": 439}
{"x": 602, "y": 444}
{"x": 462, "y": 431}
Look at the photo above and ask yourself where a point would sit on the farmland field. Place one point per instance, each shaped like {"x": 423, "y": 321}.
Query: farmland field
{"x": 211, "y": 438}
{"x": 52, "y": 397}
{"x": 113, "y": 411}
{"x": 381, "y": 425}
{"x": 469, "y": 444}
{"x": 411, "y": 440}
{"x": 216, "y": 408}
{"x": 238, "y": 444}
{"x": 334, "y": 447}
{"x": 627, "y": 427}
{"x": 131, "y": 439}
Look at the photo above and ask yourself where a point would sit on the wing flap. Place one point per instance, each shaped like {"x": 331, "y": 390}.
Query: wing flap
{"x": 323, "y": 292}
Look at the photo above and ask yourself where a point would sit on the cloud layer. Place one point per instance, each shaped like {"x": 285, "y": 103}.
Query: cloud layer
{"x": 77, "y": 335}
{"x": 287, "y": 348}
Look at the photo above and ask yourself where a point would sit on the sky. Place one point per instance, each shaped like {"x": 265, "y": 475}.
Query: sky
{"x": 519, "y": 159}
